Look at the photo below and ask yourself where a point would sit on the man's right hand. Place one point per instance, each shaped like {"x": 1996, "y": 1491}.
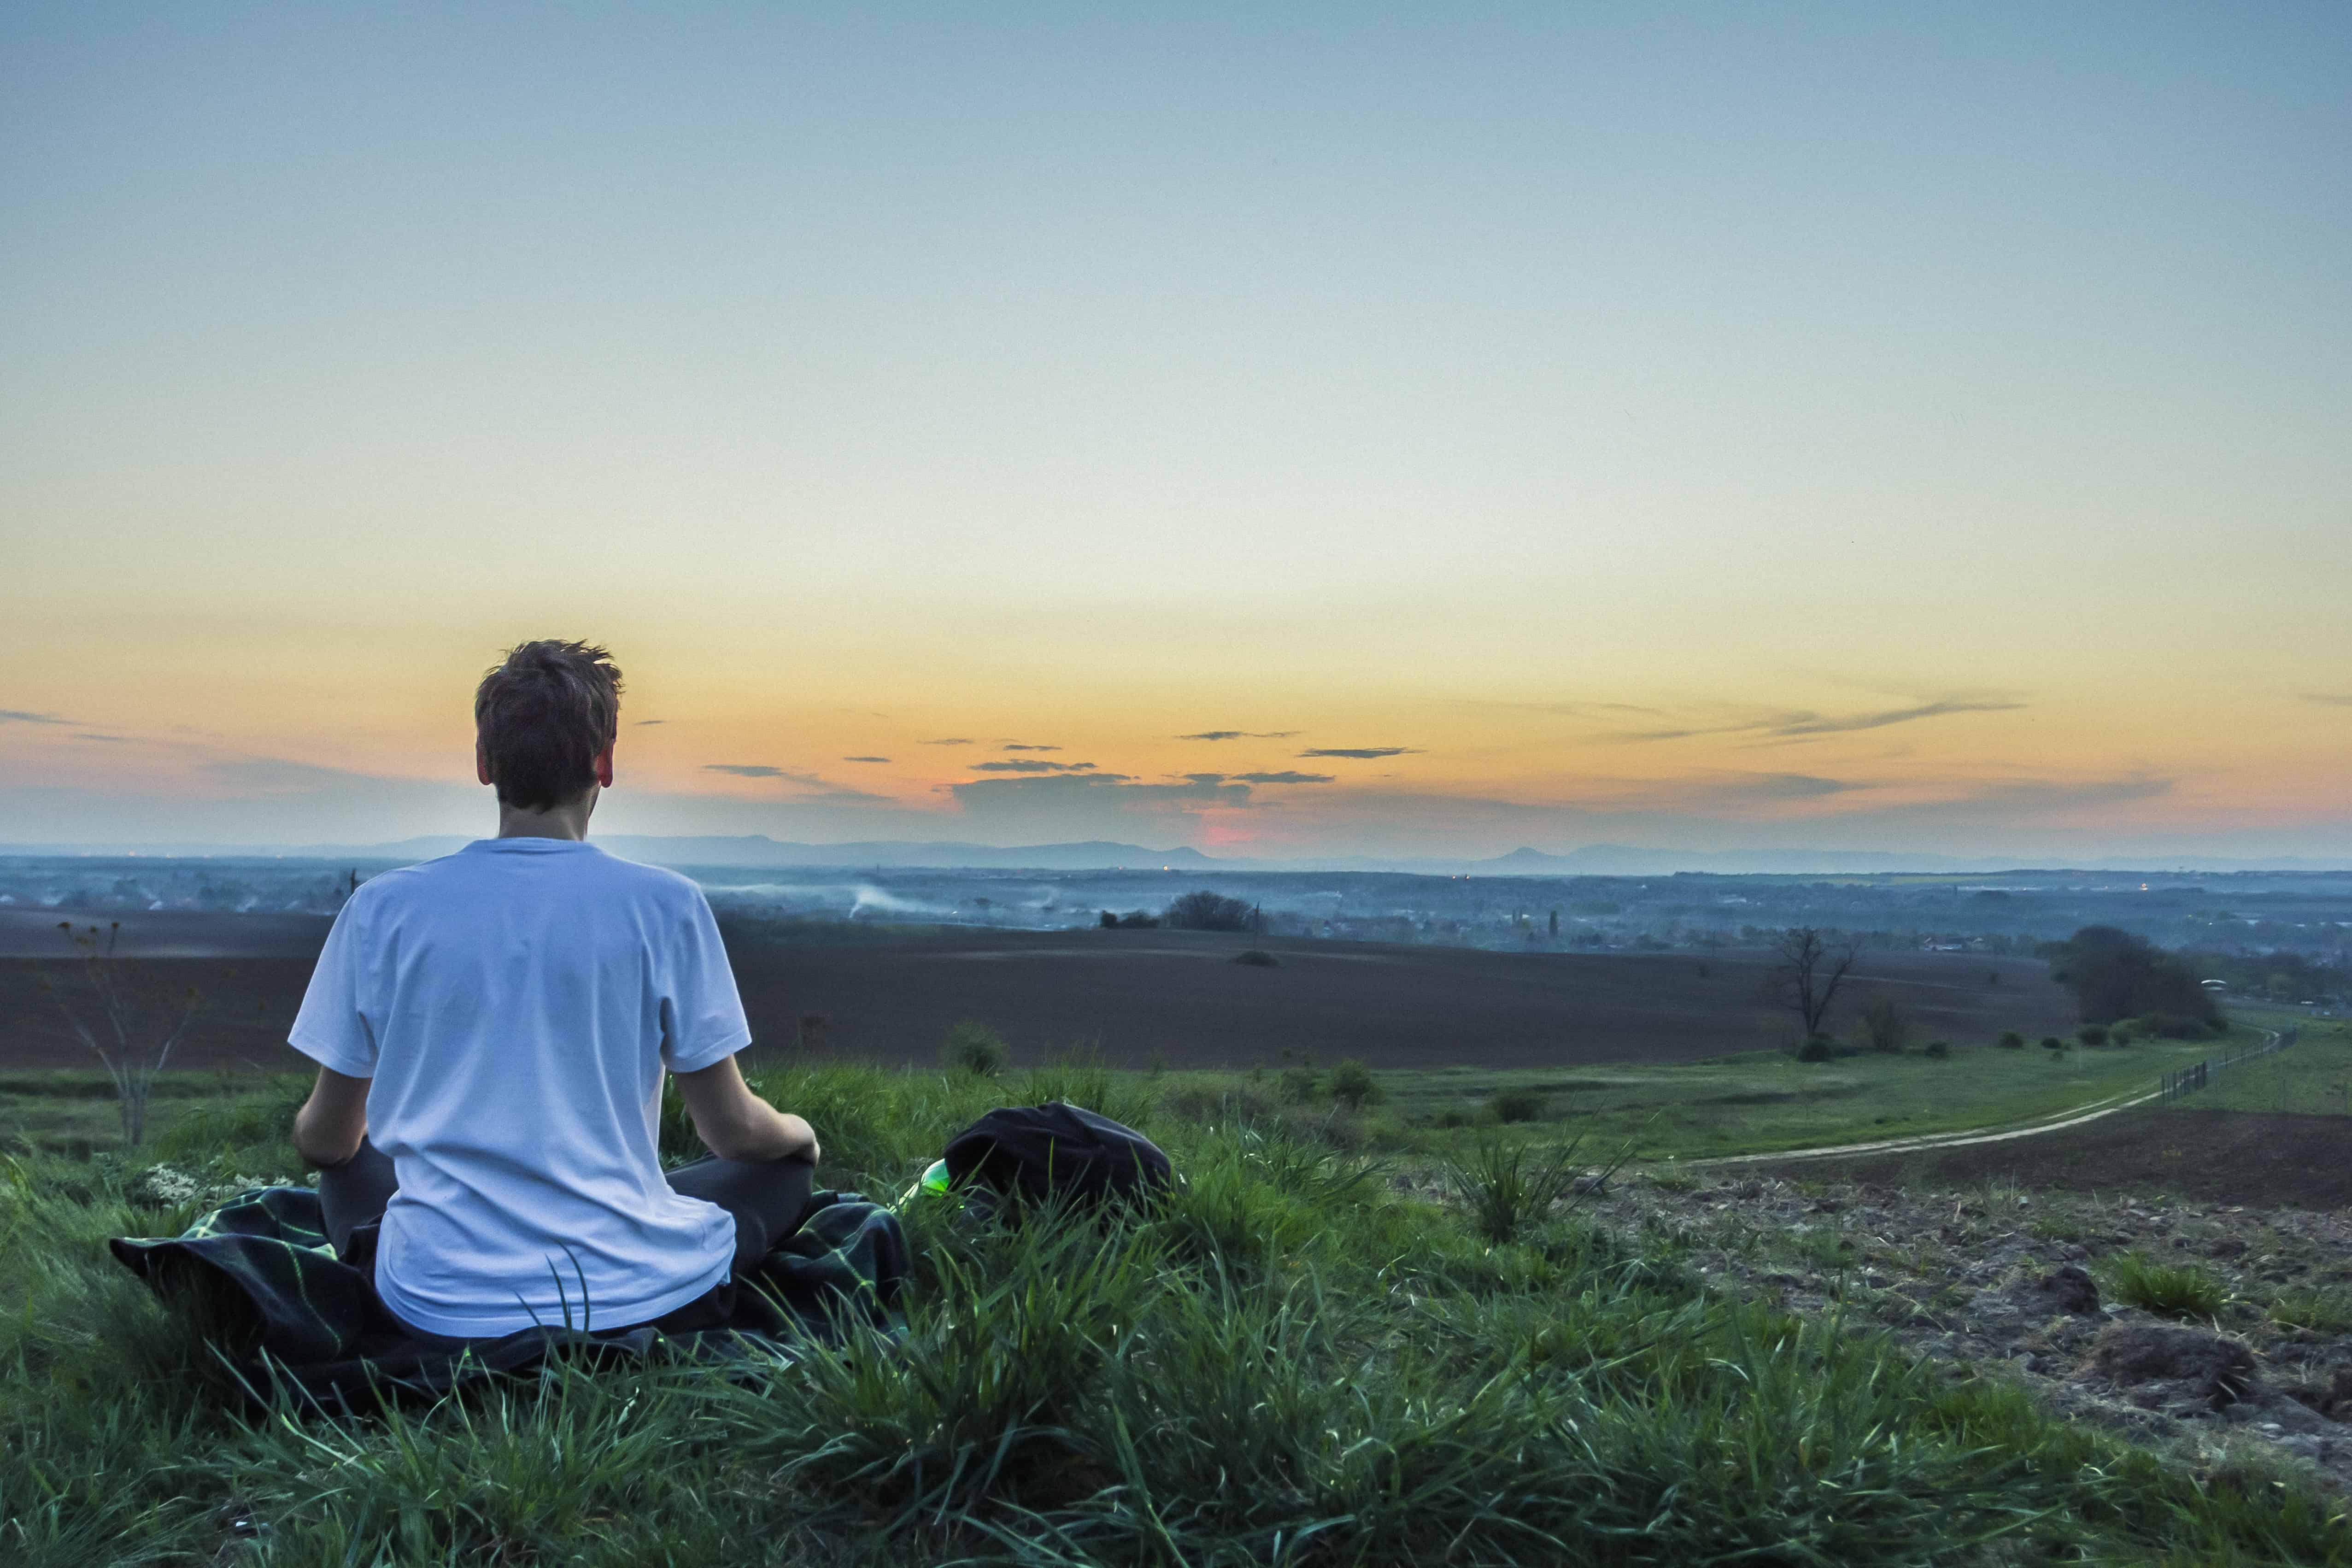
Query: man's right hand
{"x": 736, "y": 1124}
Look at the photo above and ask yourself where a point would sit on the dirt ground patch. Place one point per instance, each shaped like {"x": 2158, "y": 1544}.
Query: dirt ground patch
{"x": 248, "y": 1004}
{"x": 2205, "y": 1156}
{"x": 2026, "y": 1287}
{"x": 1175, "y": 997}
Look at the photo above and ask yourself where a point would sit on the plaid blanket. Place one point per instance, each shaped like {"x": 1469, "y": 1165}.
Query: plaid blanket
{"x": 266, "y": 1288}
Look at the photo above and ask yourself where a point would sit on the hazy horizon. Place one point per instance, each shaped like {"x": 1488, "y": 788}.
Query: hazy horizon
{"x": 1344, "y": 433}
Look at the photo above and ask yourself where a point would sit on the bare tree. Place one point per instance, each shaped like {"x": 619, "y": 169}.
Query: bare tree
{"x": 131, "y": 1028}
{"x": 1811, "y": 970}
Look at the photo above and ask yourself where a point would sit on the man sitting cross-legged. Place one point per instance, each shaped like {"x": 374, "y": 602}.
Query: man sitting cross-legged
{"x": 492, "y": 1028}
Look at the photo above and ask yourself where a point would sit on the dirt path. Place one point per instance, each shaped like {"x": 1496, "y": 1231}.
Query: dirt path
{"x": 2089, "y": 1112}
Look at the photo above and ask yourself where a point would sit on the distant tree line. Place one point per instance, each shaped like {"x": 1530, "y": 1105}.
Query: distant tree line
{"x": 2280, "y": 976}
{"x": 1201, "y": 911}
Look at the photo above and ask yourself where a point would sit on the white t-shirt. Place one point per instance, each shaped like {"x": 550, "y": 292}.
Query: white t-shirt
{"x": 515, "y": 1005}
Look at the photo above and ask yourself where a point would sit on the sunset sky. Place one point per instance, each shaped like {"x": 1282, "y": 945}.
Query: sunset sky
{"x": 1288, "y": 431}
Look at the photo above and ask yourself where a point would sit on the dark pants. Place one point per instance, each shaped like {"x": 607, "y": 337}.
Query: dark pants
{"x": 766, "y": 1197}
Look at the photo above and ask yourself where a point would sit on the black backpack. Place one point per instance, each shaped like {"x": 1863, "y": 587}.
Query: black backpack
{"x": 1058, "y": 1152}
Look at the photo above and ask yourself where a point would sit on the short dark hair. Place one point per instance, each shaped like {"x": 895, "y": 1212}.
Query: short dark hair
{"x": 542, "y": 715}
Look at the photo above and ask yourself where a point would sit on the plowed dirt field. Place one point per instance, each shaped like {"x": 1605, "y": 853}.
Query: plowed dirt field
{"x": 1138, "y": 996}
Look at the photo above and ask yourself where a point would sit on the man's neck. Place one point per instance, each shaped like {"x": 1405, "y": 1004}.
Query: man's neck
{"x": 566, "y": 819}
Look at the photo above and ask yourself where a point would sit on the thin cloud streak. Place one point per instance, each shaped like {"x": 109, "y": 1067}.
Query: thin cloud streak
{"x": 843, "y": 797}
{"x": 1818, "y": 726}
{"x": 865, "y": 759}
{"x": 762, "y": 771}
{"x": 1029, "y": 765}
{"x": 1802, "y": 722}
{"x": 1361, "y": 754}
{"x": 1240, "y": 735}
{"x": 1570, "y": 710}
{"x": 18, "y": 715}
{"x": 2329, "y": 699}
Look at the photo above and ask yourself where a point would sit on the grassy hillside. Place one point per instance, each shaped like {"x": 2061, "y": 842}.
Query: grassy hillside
{"x": 1295, "y": 1362}
{"x": 1768, "y": 1100}
{"x": 2313, "y": 1077}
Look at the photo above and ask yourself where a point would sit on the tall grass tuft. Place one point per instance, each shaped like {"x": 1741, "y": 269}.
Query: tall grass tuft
{"x": 1507, "y": 1184}
{"x": 2168, "y": 1289}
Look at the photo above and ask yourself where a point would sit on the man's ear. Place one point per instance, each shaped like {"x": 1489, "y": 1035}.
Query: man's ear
{"x": 604, "y": 768}
{"x": 481, "y": 761}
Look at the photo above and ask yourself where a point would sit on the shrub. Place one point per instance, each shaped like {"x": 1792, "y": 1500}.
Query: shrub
{"x": 2168, "y": 1289}
{"x": 2174, "y": 1027}
{"x": 2091, "y": 1034}
{"x": 1257, "y": 958}
{"x": 1886, "y": 1027}
{"x": 974, "y": 1048}
{"x": 1302, "y": 1083}
{"x": 1353, "y": 1085}
{"x": 2052, "y": 1044}
{"x": 1517, "y": 1104}
{"x": 1205, "y": 910}
{"x": 1819, "y": 1049}
{"x": 2011, "y": 1040}
{"x": 1939, "y": 1050}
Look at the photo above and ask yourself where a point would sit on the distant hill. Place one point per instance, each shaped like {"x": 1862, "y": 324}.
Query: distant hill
{"x": 757, "y": 851}
{"x": 1629, "y": 860}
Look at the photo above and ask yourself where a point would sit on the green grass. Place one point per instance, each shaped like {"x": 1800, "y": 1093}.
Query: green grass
{"x": 1753, "y": 1103}
{"x": 1293, "y": 1363}
{"x": 2320, "y": 1308}
{"x": 2313, "y": 1077}
{"x": 2168, "y": 1289}
{"x": 1765, "y": 1101}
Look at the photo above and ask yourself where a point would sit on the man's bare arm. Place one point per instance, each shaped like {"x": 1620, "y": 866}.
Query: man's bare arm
{"x": 738, "y": 1124}
{"x": 333, "y": 1121}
